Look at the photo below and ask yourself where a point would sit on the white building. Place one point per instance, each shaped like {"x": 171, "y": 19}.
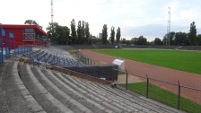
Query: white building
{"x": 100, "y": 35}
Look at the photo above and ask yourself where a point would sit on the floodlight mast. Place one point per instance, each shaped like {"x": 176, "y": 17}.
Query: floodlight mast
{"x": 52, "y": 15}
{"x": 168, "y": 36}
{"x": 52, "y": 21}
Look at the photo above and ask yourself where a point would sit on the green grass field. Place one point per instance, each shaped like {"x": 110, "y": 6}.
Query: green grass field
{"x": 180, "y": 60}
{"x": 164, "y": 96}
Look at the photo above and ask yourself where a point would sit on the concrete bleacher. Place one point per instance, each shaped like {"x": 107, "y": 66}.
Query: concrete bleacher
{"x": 31, "y": 88}
{"x": 52, "y": 56}
{"x": 28, "y": 88}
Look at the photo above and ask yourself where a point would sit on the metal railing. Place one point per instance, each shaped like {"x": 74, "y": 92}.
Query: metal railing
{"x": 176, "y": 87}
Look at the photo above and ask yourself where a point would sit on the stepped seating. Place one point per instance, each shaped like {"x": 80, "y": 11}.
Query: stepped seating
{"x": 54, "y": 92}
{"x": 42, "y": 56}
{"x": 31, "y": 88}
{"x": 49, "y": 58}
{"x": 32, "y": 54}
{"x": 53, "y": 57}
{"x": 28, "y": 88}
{"x": 14, "y": 96}
{"x": 42, "y": 90}
{"x": 127, "y": 101}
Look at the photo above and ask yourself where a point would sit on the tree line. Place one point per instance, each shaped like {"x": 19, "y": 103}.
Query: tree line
{"x": 112, "y": 35}
{"x": 81, "y": 35}
{"x": 78, "y": 35}
{"x": 182, "y": 38}
{"x": 63, "y": 35}
{"x": 173, "y": 38}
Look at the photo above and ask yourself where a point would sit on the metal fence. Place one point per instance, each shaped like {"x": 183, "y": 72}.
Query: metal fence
{"x": 183, "y": 91}
{"x": 86, "y": 60}
{"x": 104, "y": 72}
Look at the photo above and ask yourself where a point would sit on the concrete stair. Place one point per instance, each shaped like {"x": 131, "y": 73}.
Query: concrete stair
{"x": 15, "y": 98}
{"x": 58, "y": 93}
{"x": 130, "y": 102}
{"x": 33, "y": 89}
{"x": 49, "y": 103}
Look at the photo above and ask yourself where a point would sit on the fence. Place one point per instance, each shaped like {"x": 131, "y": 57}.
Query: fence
{"x": 105, "y": 72}
{"x": 85, "y": 60}
{"x": 7, "y": 52}
{"x": 146, "y": 85}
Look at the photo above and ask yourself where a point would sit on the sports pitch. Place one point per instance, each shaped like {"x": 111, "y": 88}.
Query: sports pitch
{"x": 187, "y": 61}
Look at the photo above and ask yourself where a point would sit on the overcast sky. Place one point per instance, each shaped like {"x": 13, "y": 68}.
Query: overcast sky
{"x": 135, "y": 17}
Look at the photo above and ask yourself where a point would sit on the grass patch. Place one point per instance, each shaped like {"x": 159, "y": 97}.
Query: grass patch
{"x": 121, "y": 73}
{"x": 180, "y": 60}
{"x": 164, "y": 96}
{"x": 72, "y": 52}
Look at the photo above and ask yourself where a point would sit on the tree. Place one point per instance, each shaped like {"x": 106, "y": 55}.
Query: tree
{"x": 94, "y": 39}
{"x": 51, "y": 31}
{"x": 134, "y": 41}
{"x": 83, "y": 32}
{"x": 73, "y": 31}
{"x": 118, "y": 35}
{"x": 158, "y": 41}
{"x": 125, "y": 42}
{"x": 112, "y": 34}
{"x": 168, "y": 39}
{"x": 172, "y": 37}
{"x": 199, "y": 39}
{"x": 104, "y": 34}
{"x": 79, "y": 32}
{"x": 142, "y": 41}
{"x": 87, "y": 32}
{"x": 60, "y": 34}
{"x": 32, "y": 22}
{"x": 164, "y": 40}
{"x": 181, "y": 38}
{"x": 192, "y": 33}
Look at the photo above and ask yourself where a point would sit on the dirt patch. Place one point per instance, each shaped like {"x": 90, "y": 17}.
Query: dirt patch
{"x": 131, "y": 79}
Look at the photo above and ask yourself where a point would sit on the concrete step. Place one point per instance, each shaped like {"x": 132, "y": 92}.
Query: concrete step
{"x": 56, "y": 93}
{"x": 114, "y": 100}
{"x": 88, "y": 102}
{"x": 11, "y": 97}
{"x": 72, "y": 104}
{"x": 93, "y": 95}
{"x": 41, "y": 95}
{"x": 142, "y": 101}
{"x": 35, "y": 107}
{"x": 2, "y": 71}
{"x": 133, "y": 100}
{"x": 112, "y": 94}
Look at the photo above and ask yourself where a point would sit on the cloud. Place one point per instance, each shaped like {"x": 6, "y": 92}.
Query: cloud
{"x": 134, "y": 17}
{"x": 152, "y": 31}
{"x": 149, "y": 31}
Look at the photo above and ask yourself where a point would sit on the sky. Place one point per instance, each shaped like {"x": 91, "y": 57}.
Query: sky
{"x": 148, "y": 18}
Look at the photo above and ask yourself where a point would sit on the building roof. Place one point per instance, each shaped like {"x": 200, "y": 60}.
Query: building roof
{"x": 25, "y": 26}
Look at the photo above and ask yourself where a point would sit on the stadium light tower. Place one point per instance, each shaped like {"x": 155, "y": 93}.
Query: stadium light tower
{"x": 52, "y": 15}
{"x": 52, "y": 21}
{"x": 168, "y": 27}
